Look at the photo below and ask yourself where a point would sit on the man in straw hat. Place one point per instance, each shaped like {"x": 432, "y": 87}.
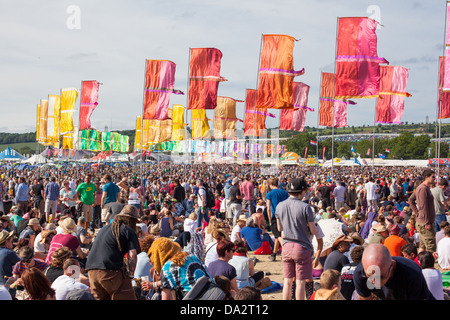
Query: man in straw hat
{"x": 107, "y": 276}
{"x": 31, "y": 231}
{"x": 337, "y": 258}
{"x": 380, "y": 234}
{"x": 8, "y": 258}
{"x": 295, "y": 219}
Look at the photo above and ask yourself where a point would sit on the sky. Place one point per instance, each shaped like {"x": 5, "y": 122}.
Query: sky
{"x": 49, "y": 45}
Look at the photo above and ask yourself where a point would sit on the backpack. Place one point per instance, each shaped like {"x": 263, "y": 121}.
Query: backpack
{"x": 210, "y": 199}
{"x": 205, "y": 289}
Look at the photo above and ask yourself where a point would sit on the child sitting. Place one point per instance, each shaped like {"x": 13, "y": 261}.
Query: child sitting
{"x": 330, "y": 286}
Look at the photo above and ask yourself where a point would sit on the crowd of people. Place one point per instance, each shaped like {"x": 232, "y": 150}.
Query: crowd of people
{"x": 159, "y": 230}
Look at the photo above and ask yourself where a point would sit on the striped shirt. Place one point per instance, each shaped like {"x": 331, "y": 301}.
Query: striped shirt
{"x": 52, "y": 191}
{"x": 20, "y": 267}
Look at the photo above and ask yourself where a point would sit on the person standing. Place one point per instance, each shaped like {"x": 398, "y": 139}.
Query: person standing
{"x": 371, "y": 195}
{"x": 37, "y": 191}
{"x": 235, "y": 203}
{"x": 422, "y": 204}
{"x": 85, "y": 193}
{"x": 108, "y": 278}
{"x": 339, "y": 193}
{"x": 22, "y": 195}
{"x": 295, "y": 219}
{"x": 273, "y": 198}
{"x": 203, "y": 210}
{"x": 68, "y": 197}
{"x": 440, "y": 203}
{"x": 51, "y": 199}
{"x": 248, "y": 190}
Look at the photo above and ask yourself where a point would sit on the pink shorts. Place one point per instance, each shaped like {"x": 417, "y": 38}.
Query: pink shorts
{"x": 297, "y": 261}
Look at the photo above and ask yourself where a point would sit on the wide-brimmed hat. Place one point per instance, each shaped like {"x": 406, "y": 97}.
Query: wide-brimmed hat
{"x": 45, "y": 234}
{"x": 155, "y": 229}
{"x": 242, "y": 217}
{"x": 33, "y": 222}
{"x": 50, "y": 226}
{"x": 235, "y": 180}
{"x": 68, "y": 225}
{"x": 340, "y": 239}
{"x": 380, "y": 228}
{"x": 129, "y": 211}
{"x": 357, "y": 237}
{"x": 7, "y": 219}
{"x": 5, "y": 235}
{"x": 296, "y": 185}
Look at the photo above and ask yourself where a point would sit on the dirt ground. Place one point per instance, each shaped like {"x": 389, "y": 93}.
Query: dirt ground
{"x": 276, "y": 273}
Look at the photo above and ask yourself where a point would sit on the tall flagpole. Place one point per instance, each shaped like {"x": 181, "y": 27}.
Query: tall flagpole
{"x": 439, "y": 104}
{"x": 318, "y": 119}
{"x": 334, "y": 97}
{"x": 142, "y": 121}
{"x": 256, "y": 98}
{"x": 373, "y": 136}
{"x": 188, "y": 147}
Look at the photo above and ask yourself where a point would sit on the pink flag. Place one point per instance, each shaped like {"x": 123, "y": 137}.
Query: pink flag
{"x": 294, "y": 119}
{"x": 88, "y": 102}
{"x": 390, "y": 103}
{"x": 446, "y": 84}
{"x": 357, "y": 62}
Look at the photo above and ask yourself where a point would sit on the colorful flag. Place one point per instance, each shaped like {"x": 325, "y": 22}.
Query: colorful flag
{"x": 43, "y": 121}
{"x": 255, "y": 118}
{"x": 387, "y": 150}
{"x": 225, "y": 118}
{"x": 306, "y": 151}
{"x": 88, "y": 102}
{"x": 178, "y": 125}
{"x": 68, "y": 99}
{"x": 368, "y": 152}
{"x": 313, "y": 143}
{"x": 159, "y": 85}
{"x": 204, "y": 78}
{"x": 357, "y": 61}
{"x": 138, "y": 133}
{"x": 446, "y": 75}
{"x": 200, "y": 125}
{"x": 294, "y": 119}
{"x": 444, "y": 96}
{"x": 54, "y": 103}
{"x": 328, "y": 102}
{"x": 323, "y": 154}
{"x": 276, "y": 73}
{"x": 392, "y": 93}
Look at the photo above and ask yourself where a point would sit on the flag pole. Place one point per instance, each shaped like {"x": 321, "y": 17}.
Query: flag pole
{"x": 187, "y": 105}
{"x": 373, "y": 136}
{"x": 439, "y": 105}
{"x": 256, "y": 99}
{"x": 318, "y": 118}
{"x": 142, "y": 121}
{"x": 334, "y": 97}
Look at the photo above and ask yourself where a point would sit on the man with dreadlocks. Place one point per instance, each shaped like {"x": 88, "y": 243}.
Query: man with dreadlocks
{"x": 109, "y": 278}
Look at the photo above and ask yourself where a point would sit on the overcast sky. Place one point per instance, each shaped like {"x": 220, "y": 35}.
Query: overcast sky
{"x": 45, "y": 47}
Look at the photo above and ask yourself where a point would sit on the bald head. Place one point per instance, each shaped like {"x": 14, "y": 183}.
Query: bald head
{"x": 377, "y": 261}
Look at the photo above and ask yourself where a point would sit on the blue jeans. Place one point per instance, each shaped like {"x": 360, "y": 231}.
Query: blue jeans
{"x": 201, "y": 216}
{"x": 437, "y": 221}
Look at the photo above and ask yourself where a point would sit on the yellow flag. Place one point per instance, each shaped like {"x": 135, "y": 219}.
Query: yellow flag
{"x": 200, "y": 125}
{"x": 68, "y": 98}
{"x": 178, "y": 125}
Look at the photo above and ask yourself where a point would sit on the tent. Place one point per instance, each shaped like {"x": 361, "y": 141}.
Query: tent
{"x": 35, "y": 159}
{"x": 11, "y": 154}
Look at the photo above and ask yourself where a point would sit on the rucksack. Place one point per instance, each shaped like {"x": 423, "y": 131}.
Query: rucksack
{"x": 210, "y": 199}
{"x": 205, "y": 289}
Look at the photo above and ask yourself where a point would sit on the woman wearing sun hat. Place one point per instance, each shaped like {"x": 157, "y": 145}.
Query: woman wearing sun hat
{"x": 65, "y": 239}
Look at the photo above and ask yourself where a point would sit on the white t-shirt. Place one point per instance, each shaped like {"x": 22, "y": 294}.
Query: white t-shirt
{"x": 63, "y": 284}
{"x": 433, "y": 278}
{"x": 237, "y": 229}
{"x": 371, "y": 188}
{"x": 201, "y": 192}
{"x": 443, "y": 251}
{"x": 38, "y": 246}
{"x": 190, "y": 225}
{"x": 211, "y": 253}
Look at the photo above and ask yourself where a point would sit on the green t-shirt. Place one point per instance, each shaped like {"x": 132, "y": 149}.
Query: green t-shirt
{"x": 87, "y": 192}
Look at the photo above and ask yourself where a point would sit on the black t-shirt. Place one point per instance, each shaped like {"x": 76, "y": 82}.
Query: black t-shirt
{"x": 325, "y": 192}
{"x": 52, "y": 272}
{"x": 105, "y": 254}
{"x": 407, "y": 283}
{"x": 234, "y": 192}
{"x": 335, "y": 260}
{"x": 347, "y": 284}
{"x": 179, "y": 193}
{"x": 37, "y": 188}
{"x": 113, "y": 208}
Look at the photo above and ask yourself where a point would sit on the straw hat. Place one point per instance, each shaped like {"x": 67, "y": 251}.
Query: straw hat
{"x": 242, "y": 217}
{"x": 235, "y": 180}
{"x": 5, "y": 235}
{"x": 357, "y": 237}
{"x": 340, "y": 239}
{"x": 7, "y": 219}
{"x": 155, "y": 229}
{"x": 380, "y": 228}
{"x": 33, "y": 222}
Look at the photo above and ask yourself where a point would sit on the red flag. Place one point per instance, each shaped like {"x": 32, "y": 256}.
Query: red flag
{"x": 294, "y": 119}
{"x": 323, "y": 154}
{"x": 159, "y": 85}
{"x": 143, "y": 153}
{"x": 88, "y": 102}
{"x": 255, "y": 118}
{"x": 204, "y": 78}
{"x": 306, "y": 151}
{"x": 357, "y": 61}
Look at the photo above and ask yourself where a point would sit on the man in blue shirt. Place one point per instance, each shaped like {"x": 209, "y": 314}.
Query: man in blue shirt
{"x": 51, "y": 198}
{"x": 22, "y": 195}
{"x": 273, "y": 198}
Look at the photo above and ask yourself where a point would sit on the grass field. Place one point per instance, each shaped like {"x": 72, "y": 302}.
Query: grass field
{"x": 19, "y": 146}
